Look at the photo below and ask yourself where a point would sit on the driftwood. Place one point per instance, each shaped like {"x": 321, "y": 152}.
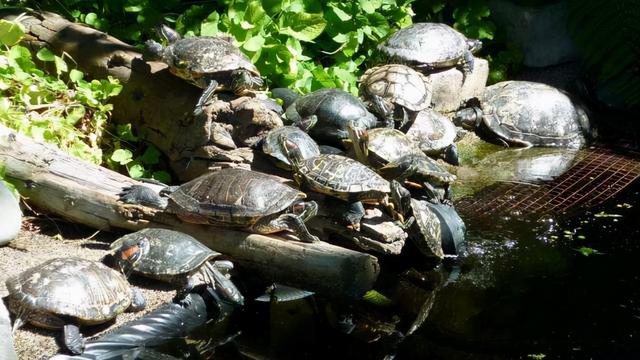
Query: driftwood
{"x": 158, "y": 104}
{"x": 85, "y": 193}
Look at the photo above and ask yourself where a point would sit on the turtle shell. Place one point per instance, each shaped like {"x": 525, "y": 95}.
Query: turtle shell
{"x": 399, "y": 84}
{"x": 344, "y": 178}
{"x": 334, "y": 109}
{"x": 82, "y": 289}
{"x": 271, "y": 145}
{"x": 433, "y": 44}
{"x": 388, "y": 145}
{"x": 194, "y": 57}
{"x": 432, "y": 131}
{"x": 166, "y": 253}
{"x": 426, "y": 232}
{"x": 526, "y": 113}
{"x": 231, "y": 197}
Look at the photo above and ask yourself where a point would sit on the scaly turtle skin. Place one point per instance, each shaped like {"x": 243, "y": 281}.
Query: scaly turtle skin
{"x": 69, "y": 292}
{"x": 239, "y": 198}
{"x": 428, "y": 46}
{"x": 174, "y": 257}
{"x": 270, "y": 144}
{"x": 522, "y": 113}
{"x": 435, "y": 135}
{"x": 395, "y": 92}
{"x": 395, "y": 156}
{"x": 211, "y": 63}
{"x": 331, "y": 110}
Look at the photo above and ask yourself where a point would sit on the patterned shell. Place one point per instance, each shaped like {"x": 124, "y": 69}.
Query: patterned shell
{"x": 432, "y": 131}
{"x": 428, "y": 237}
{"x": 83, "y": 289}
{"x": 168, "y": 252}
{"x": 306, "y": 144}
{"x": 399, "y": 84}
{"x": 390, "y": 144}
{"x": 233, "y": 196}
{"x": 434, "y": 44}
{"x": 341, "y": 176}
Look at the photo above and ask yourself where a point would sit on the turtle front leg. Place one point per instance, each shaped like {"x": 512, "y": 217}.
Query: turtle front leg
{"x": 466, "y": 65}
{"x": 73, "y": 339}
{"x": 138, "y": 302}
{"x": 207, "y": 94}
{"x": 290, "y": 222}
{"x": 223, "y": 285}
{"x": 380, "y": 107}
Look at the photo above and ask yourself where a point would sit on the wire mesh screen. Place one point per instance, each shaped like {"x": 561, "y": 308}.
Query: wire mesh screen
{"x": 597, "y": 175}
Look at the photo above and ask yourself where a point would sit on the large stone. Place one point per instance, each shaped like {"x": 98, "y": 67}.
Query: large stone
{"x": 6, "y": 337}
{"x": 449, "y": 92}
{"x": 541, "y": 32}
{"x": 10, "y": 214}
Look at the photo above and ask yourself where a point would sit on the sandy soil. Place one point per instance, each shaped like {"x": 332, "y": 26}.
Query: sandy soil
{"x": 31, "y": 248}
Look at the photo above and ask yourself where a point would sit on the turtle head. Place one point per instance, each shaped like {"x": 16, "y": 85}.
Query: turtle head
{"x": 243, "y": 79}
{"x": 474, "y": 45}
{"x": 360, "y": 141}
{"x": 291, "y": 151}
{"x": 129, "y": 253}
{"x": 154, "y": 50}
{"x": 468, "y": 118}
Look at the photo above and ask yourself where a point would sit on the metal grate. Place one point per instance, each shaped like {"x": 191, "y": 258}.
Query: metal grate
{"x": 598, "y": 174}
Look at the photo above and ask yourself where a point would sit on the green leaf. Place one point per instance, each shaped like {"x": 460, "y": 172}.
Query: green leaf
{"x": 587, "y": 251}
{"x": 10, "y": 32}
{"x": 136, "y": 171}
{"x": 75, "y": 75}
{"x": 45, "y": 54}
{"x": 151, "y": 155}
{"x": 133, "y": 9}
{"x": 91, "y": 19}
{"x": 376, "y": 298}
{"x": 122, "y": 156}
{"x": 303, "y": 26}
{"x": 209, "y": 27}
{"x": 341, "y": 14}
{"x": 61, "y": 65}
{"x": 370, "y": 6}
{"x": 254, "y": 43}
{"x": 125, "y": 133}
{"x": 162, "y": 176}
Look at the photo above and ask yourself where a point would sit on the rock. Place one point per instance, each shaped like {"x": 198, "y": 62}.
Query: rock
{"x": 449, "y": 93}
{"x": 11, "y": 215}
{"x": 7, "y": 351}
{"x": 541, "y": 32}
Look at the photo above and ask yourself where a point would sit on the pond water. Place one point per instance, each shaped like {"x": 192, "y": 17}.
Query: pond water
{"x": 530, "y": 286}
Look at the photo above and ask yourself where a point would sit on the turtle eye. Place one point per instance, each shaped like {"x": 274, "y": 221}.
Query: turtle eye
{"x": 181, "y": 64}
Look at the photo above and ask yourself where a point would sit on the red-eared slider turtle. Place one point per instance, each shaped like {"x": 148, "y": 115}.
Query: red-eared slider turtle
{"x": 428, "y": 46}
{"x": 435, "y": 135}
{"x": 211, "y": 63}
{"x": 232, "y": 198}
{"x": 174, "y": 257}
{"x": 340, "y": 177}
{"x": 395, "y": 156}
{"x": 69, "y": 292}
{"x": 523, "y": 113}
{"x": 395, "y": 92}
{"x": 330, "y": 110}
{"x": 270, "y": 144}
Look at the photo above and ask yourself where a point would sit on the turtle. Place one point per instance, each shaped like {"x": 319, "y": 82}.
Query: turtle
{"x": 525, "y": 114}
{"x": 174, "y": 257}
{"x": 427, "y": 46}
{"x": 395, "y": 156}
{"x": 69, "y": 292}
{"x": 11, "y": 215}
{"x": 340, "y": 177}
{"x": 325, "y": 113}
{"x": 232, "y": 197}
{"x": 209, "y": 62}
{"x": 270, "y": 144}
{"x": 395, "y": 92}
{"x": 435, "y": 135}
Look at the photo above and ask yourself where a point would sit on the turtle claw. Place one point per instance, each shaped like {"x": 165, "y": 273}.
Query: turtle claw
{"x": 73, "y": 339}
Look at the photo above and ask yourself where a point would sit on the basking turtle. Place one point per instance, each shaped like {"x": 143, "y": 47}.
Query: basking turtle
{"x": 233, "y": 198}
{"x": 174, "y": 257}
{"x": 330, "y": 110}
{"x": 395, "y": 92}
{"x": 211, "y": 63}
{"x": 428, "y": 46}
{"x": 69, "y": 292}
{"x": 523, "y": 113}
{"x": 395, "y": 156}
{"x": 340, "y": 177}
{"x": 270, "y": 144}
{"x": 435, "y": 135}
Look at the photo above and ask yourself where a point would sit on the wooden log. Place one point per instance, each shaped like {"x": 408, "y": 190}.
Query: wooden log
{"x": 84, "y": 193}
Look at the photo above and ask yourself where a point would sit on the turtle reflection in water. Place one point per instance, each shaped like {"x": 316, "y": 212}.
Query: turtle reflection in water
{"x": 69, "y": 292}
{"x": 238, "y": 198}
{"x": 175, "y": 257}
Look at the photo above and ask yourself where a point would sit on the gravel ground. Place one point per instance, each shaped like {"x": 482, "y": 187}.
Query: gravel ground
{"x": 31, "y": 248}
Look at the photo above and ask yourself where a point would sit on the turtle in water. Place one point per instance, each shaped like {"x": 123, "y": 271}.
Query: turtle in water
{"x": 174, "y": 257}
{"x": 211, "y": 63}
{"x": 341, "y": 177}
{"x": 270, "y": 144}
{"x": 428, "y": 46}
{"x": 325, "y": 114}
{"x": 395, "y": 92}
{"x": 395, "y": 156}
{"x": 524, "y": 114}
{"x": 69, "y": 292}
{"x": 239, "y": 198}
{"x": 435, "y": 135}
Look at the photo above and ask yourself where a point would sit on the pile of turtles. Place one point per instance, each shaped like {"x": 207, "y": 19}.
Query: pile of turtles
{"x": 344, "y": 157}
